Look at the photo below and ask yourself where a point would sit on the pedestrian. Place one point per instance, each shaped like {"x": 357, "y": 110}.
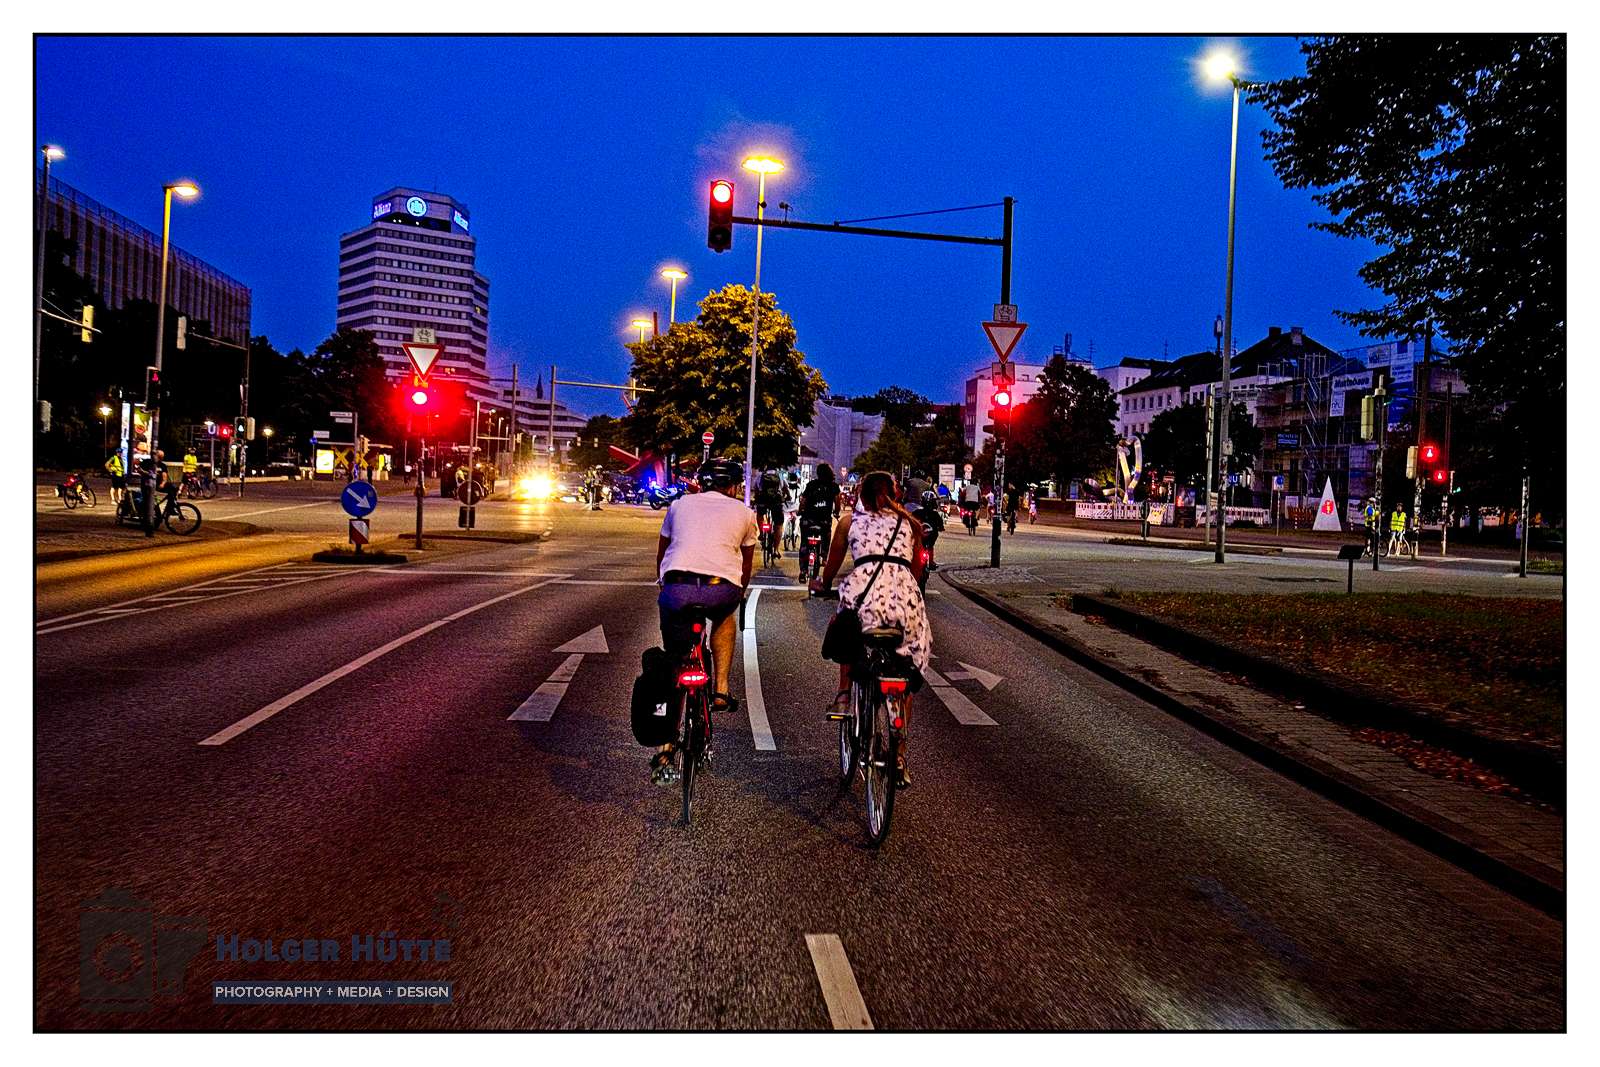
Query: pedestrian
{"x": 1033, "y": 507}
{"x": 119, "y": 479}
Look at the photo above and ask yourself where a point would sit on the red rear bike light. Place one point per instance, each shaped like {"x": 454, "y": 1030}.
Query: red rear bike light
{"x": 899, "y": 723}
{"x": 891, "y": 686}
{"x": 766, "y": 527}
{"x": 698, "y": 626}
{"x": 693, "y": 678}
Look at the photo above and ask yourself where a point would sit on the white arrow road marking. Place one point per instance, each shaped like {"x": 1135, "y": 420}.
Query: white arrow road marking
{"x": 977, "y": 674}
{"x": 760, "y": 728}
{"x": 846, "y": 1009}
{"x": 592, "y": 641}
{"x": 966, "y": 712}
{"x": 261, "y": 715}
{"x": 542, "y": 703}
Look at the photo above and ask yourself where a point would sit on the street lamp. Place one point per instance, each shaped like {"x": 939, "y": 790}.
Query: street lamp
{"x": 1220, "y": 66}
{"x": 761, "y": 166}
{"x": 105, "y": 426}
{"x": 187, "y": 190}
{"x": 641, "y": 325}
{"x": 674, "y": 275}
{"x": 50, "y": 153}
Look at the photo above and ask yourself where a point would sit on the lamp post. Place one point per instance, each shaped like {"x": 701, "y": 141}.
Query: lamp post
{"x": 187, "y": 190}
{"x": 673, "y": 275}
{"x": 49, "y": 153}
{"x": 1222, "y": 65}
{"x": 762, "y": 166}
{"x": 641, "y": 325}
{"x": 105, "y": 426}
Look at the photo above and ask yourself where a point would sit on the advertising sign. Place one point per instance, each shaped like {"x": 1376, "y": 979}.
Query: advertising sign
{"x": 1341, "y": 386}
{"x": 947, "y": 474}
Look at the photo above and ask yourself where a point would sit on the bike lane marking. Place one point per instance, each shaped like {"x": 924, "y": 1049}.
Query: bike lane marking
{"x": 261, "y": 715}
{"x": 966, "y": 712}
{"x": 760, "y": 728}
{"x": 846, "y": 1009}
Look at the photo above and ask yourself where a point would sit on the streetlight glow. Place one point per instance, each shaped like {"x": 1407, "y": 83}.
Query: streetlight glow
{"x": 1221, "y": 66}
{"x": 105, "y": 410}
{"x": 186, "y": 189}
{"x": 762, "y": 165}
{"x": 53, "y": 152}
{"x": 674, "y": 274}
{"x": 640, "y": 324}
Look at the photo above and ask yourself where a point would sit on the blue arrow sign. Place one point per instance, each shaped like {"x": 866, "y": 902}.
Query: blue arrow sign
{"x": 359, "y": 499}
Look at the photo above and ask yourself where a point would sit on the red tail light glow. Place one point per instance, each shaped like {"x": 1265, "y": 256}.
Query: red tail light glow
{"x": 891, "y": 686}
{"x": 899, "y": 723}
{"x": 693, "y": 678}
{"x": 698, "y": 626}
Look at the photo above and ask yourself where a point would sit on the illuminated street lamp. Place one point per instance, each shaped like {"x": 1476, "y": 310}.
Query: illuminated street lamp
{"x": 641, "y": 325}
{"x": 1223, "y": 66}
{"x": 761, "y": 166}
{"x": 50, "y": 153}
{"x": 187, "y": 190}
{"x": 105, "y": 426}
{"x": 674, "y": 275}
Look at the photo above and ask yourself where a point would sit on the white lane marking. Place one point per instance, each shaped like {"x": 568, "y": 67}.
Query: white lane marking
{"x": 589, "y": 641}
{"x": 977, "y": 674}
{"x": 418, "y": 572}
{"x": 602, "y": 581}
{"x": 846, "y": 1009}
{"x": 542, "y": 703}
{"x": 268, "y": 511}
{"x": 215, "y": 591}
{"x": 759, "y": 727}
{"x": 966, "y": 712}
{"x": 141, "y": 599}
{"x": 256, "y": 718}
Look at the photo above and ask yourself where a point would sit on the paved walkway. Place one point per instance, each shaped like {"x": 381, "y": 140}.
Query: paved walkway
{"x": 1524, "y": 837}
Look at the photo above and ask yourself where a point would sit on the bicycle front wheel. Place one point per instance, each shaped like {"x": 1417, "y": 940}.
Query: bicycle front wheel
{"x": 70, "y": 499}
{"x": 849, "y": 728}
{"x": 183, "y": 519}
{"x": 86, "y": 496}
{"x": 208, "y": 490}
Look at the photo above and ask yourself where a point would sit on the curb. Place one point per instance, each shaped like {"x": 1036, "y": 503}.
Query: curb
{"x": 1529, "y": 880}
{"x": 1538, "y": 769}
{"x": 1197, "y": 546}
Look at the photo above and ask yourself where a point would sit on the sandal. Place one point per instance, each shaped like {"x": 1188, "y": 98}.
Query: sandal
{"x": 661, "y": 770}
{"x": 722, "y": 703}
{"x": 902, "y": 777}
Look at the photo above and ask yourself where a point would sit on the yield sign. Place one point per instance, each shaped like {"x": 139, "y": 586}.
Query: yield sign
{"x": 1003, "y": 336}
{"x": 422, "y": 357}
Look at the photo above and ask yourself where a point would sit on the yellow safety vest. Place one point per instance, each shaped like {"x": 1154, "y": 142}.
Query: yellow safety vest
{"x": 1397, "y": 522}
{"x": 191, "y": 463}
{"x": 114, "y": 464}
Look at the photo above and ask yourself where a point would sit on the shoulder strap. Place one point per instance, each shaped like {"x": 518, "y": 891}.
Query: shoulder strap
{"x": 860, "y": 599}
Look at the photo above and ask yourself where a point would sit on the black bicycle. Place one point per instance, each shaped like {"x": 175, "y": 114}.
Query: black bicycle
{"x": 76, "y": 490}
{"x": 692, "y": 754}
{"x": 769, "y": 543}
{"x": 198, "y": 486}
{"x": 179, "y": 518}
{"x": 871, "y": 731}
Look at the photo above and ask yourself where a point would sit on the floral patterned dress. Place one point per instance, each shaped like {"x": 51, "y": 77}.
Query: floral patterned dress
{"x": 894, "y": 599}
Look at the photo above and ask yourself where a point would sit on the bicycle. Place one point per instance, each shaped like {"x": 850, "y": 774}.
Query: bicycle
{"x": 181, "y": 519}
{"x": 871, "y": 731}
{"x": 769, "y": 544}
{"x": 202, "y": 486}
{"x": 692, "y": 753}
{"x": 75, "y": 490}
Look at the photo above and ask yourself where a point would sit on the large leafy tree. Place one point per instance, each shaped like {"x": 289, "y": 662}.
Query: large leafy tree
{"x": 1176, "y": 442}
{"x": 1066, "y": 430}
{"x": 699, "y": 372}
{"x": 942, "y": 441}
{"x": 900, "y": 407}
{"x": 890, "y": 452}
{"x": 598, "y": 433}
{"x": 1449, "y": 154}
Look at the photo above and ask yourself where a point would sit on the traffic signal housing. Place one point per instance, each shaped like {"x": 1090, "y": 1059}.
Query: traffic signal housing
{"x": 719, "y": 218}
{"x": 1440, "y": 476}
{"x": 1430, "y": 454}
{"x": 225, "y": 430}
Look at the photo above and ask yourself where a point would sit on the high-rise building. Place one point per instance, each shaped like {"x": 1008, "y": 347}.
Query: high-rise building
{"x": 414, "y": 265}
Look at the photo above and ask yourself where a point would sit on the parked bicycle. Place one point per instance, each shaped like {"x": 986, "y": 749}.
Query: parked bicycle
{"x": 870, "y": 732}
{"x": 199, "y": 485}
{"x": 179, "y": 518}
{"x": 75, "y": 490}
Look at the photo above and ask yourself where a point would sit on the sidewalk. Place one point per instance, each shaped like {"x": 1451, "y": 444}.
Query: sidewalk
{"x": 1517, "y": 845}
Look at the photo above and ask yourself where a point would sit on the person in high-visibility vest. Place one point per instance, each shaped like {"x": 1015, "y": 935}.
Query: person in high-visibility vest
{"x": 1397, "y": 530}
{"x": 191, "y": 462}
{"x": 119, "y": 477}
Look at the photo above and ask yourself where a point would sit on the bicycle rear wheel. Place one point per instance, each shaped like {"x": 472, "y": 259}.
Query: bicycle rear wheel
{"x": 208, "y": 489}
{"x": 69, "y": 498}
{"x": 689, "y": 752}
{"x": 880, "y": 775}
{"x": 88, "y": 496}
{"x": 849, "y": 731}
{"x": 183, "y": 519}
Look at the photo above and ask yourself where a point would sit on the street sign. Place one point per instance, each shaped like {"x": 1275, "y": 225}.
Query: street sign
{"x": 422, "y": 335}
{"x": 707, "y": 437}
{"x": 1003, "y": 337}
{"x": 321, "y": 435}
{"x": 422, "y": 356}
{"x": 999, "y": 370}
{"x": 1005, "y": 313}
{"x": 1278, "y": 482}
{"x": 360, "y": 532}
{"x": 359, "y": 499}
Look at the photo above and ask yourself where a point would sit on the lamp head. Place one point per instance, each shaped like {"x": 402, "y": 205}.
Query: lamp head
{"x": 185, "y": 188}
{"x": 762, "y": 165}
{"x": 1221, "y": 66}
{"x": 53, "y": 152}
{"x": 674, "y": 273}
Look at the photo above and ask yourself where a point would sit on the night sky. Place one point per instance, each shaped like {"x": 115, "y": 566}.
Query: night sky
{"x": 585, "y": 163}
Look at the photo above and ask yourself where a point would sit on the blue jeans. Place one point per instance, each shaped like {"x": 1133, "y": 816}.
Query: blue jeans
{"x": 683, "y": 604}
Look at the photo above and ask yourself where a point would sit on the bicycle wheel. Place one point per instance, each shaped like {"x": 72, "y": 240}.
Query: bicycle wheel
{"x": 848, "y": 729}
{"x": 208, "y": 489}
{"x": 86, "y": 496}
{"x": 183, "y": 519}
{"x": 880, "y": 774}
{"x": 689, "y": 752}
{"x": 69, "y": 498}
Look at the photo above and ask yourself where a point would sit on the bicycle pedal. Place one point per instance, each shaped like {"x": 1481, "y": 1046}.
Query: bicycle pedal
{"x": 838, "y": 716}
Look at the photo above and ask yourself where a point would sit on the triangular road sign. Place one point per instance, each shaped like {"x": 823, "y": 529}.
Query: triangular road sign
{"x": 422, "y": 356}
{"x": 1327, "y": 511}
{"x": 1004, "y": 336}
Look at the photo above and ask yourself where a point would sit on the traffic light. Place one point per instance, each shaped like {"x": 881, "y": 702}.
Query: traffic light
{"x": 86, "y": 330}
{"x": 420, "y": 399}
{"x": 154, "y": 392}
{"x": 1440, "y": 476}
{"x": 1368, "y": 419}
{"x": 225, "y": 430}
{"x": 1430, "y": 454}
{"x": 719, "y": 224}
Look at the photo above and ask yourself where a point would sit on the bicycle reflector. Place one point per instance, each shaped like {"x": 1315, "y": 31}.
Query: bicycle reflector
{"x": 693, "y": 677}
{"x": 891, "y": 686}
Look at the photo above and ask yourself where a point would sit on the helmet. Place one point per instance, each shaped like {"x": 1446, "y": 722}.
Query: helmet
{"x": 721, "y": 473}
{"x": 930, "y": 497}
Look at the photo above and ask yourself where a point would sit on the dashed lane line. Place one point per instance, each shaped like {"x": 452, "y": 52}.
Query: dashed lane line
{"x": 261, "y": 715}
{"x": 760, "y": 728}
{"x": 846, "y": 1009}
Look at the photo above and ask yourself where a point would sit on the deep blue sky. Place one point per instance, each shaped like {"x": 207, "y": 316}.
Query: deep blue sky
{"x": 585, "y": 164}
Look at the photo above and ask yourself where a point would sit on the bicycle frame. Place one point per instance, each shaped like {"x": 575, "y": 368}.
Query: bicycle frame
{"x": 695, "y": 682}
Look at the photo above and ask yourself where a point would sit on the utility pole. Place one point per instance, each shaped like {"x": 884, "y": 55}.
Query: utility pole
{"x": 1000, "y": 443}
{"x": 1424, "y": 394}
{"x": 552, "y": 425}
{"x": 1527, "y": 528}
{"x": 1380, "y": 411}
{"x": 515, "y": 466}
{"x": 1447, "y": 452}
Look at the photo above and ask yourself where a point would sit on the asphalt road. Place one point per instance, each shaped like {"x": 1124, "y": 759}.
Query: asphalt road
{"x": 307, "y": 751}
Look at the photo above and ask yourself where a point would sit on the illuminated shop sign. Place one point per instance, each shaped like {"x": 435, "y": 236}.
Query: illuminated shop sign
{"x": 460, "y": 219}
{"x": 417, "y": 206}
{"x": 382, "y": 208}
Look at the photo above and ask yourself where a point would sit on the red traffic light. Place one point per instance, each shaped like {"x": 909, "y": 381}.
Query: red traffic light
{"x": 420, "y": 398}
{"x": 1002, "y": 398}
{"x": 1430, "y": 453}
{"x": 719, "y": 218}
{"x": 226, "y": 429}
{"x": 1441, "y": 476}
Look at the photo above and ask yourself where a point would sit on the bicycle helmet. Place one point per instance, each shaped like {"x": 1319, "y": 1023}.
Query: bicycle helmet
{"x": 930, "y": 498}
{"x": 720, "y": 474}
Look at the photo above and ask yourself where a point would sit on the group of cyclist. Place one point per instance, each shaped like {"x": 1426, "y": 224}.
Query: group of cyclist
{"x": 706, "y": 554}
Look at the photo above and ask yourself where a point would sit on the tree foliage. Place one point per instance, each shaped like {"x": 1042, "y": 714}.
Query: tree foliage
{"x": 1176, "y": 442}
{"x": 890, "y": 452}
{"x": 900, "y": 407}
{"x": 700, "y": 374}
{"x": 591, "y": 449}
{"x": 1064, "y": 431}
{"x": 1448, "y": 153}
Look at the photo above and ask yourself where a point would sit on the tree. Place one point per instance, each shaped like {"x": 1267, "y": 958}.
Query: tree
{"x": 890, "y": 452}
{"x": 1066, "y": 430}
{"x": 900, "y": 407}
{"x": 941, "y": 442}
{"x": 700, "y": 374}
{"x": 1449, "y": 153}
{"x": 349, "y": 372}
{"x": 1176, "y": 442}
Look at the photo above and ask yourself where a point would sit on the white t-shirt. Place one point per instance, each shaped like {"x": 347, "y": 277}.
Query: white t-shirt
{"x": 708, "y": 531}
